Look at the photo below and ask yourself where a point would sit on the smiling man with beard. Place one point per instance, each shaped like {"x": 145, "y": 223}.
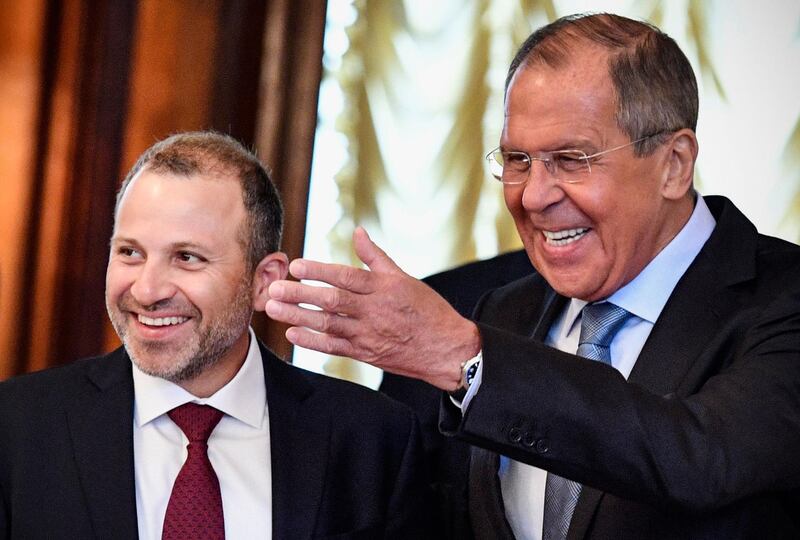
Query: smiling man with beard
{"x": 194, "y": 429}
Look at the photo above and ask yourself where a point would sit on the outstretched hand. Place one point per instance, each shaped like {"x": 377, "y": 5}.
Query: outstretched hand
{"x": 381, "y": 316}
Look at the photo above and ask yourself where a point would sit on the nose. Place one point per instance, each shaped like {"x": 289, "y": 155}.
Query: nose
{"x": 153, "y": 284}
{"x": 541, "y": 190}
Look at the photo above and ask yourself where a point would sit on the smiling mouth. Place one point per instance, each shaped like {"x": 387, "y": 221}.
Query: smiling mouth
{"x": 161, "y": 321}
{"x": 564, "y": 237}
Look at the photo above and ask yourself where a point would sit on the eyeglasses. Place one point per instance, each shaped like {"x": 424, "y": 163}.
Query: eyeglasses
{"x": 570, "y": 166}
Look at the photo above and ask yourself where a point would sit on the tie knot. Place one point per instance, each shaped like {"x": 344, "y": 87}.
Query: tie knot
{"x": 600, "y": 322}
{"x": 196, "y": 421}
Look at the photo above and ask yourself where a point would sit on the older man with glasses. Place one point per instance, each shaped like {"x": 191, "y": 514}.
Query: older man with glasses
{"x": 644, "y": 382}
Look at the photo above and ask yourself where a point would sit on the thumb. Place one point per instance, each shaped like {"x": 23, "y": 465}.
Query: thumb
{"x": 371, "y": 255}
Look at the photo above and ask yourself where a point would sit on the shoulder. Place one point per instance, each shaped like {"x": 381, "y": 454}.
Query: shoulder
{"x": 521, "y": 287}
{"x": 48, "y": 384}
{"x": 363, "y": 401}
{"x": 775, "y": 255}
{"x": 350, "y": 404}
{"x": 363, "y": 425}
{"x": 40, "y": 398}
{"x": 501, "y": 268}
{"x": 777, "y": 284}
{"x": 756, "y": 267}
{"x": 525, "y": 296}
{"x": 464, "y": 285}
{"x": 738, "y": 234}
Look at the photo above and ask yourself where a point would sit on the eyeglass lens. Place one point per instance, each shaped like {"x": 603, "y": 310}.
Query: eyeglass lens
{"x": 514, "y": 167}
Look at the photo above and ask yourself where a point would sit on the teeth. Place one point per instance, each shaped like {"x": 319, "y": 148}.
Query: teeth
{"x": 162, "y": 321}
{"x": 564, "y": 237}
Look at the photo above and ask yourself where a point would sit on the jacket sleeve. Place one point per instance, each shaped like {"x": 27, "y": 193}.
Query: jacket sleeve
{"x": 730, "y": 430}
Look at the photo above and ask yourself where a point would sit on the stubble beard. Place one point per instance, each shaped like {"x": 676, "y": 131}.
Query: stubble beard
{"x": 202, "y": 350}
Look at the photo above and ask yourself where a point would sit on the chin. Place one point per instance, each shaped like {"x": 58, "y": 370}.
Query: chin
{"x": 575, "y": 288}
{"x": 161, "y": 364}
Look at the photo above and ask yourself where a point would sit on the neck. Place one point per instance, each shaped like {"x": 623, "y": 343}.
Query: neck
{"x": 679, "y": 218}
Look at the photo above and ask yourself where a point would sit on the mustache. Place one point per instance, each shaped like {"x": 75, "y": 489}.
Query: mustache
{"x": 127, "y": 303}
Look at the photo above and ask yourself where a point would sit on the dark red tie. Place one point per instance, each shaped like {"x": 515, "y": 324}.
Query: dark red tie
{"x": 195, "y": 505}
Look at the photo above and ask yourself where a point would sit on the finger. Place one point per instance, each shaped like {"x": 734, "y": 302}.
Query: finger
{"x": 339, "y": 275}
{"x": 328, "y": 298}
{"x": 320, "y": 321}
{"x": 373, "y": 256}
{"x": 303, "y": 337}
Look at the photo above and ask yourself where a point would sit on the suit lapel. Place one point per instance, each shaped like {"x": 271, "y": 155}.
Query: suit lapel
{"x": 486, "y": 509}
{"x": 696, "y": 310}
{"x": 700, "y": 303}
{"x": 539, "y": 308}
{"x": 100, "y": 421}
{"x": 299, "y": 440}
{"x": 553, "y": 306}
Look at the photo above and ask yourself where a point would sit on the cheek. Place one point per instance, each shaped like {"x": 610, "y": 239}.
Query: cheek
{"x": 118, "y": 280}
{"x": 625, "y": 232}
{"x": 513, "y": 199}
{"x": 206, "y": 294}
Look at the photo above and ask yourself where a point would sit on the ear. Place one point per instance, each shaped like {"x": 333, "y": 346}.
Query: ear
{"x": 273, "y": 267}
{"x": 679, "y": 167}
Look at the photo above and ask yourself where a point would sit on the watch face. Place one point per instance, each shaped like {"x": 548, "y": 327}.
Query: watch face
{"x": 470, "y": 374}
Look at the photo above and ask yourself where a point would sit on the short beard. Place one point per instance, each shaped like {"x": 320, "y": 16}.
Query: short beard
{"x": 204, "y": 348}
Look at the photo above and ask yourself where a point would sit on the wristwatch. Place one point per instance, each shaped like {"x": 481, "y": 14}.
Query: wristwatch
{"x": 468, "y": 371}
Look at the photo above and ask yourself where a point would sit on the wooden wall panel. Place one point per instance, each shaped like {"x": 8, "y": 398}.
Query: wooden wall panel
{"x": 56, "y": 144}
{"x": 85, "y": 87}
{"x": 20, "y": 72}
{"x": 86, "y": 73}
{"x": 172, "y": 72}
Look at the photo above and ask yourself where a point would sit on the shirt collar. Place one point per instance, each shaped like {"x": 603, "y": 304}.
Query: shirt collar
{"x": 646, "y": 295}
{"x": 244, "y": 397}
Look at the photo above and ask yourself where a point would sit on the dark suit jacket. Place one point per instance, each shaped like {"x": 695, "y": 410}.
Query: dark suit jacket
{"x": 702, "y": 440}
{"x": 345, "y": 460}
{"x": 448, "y": 457}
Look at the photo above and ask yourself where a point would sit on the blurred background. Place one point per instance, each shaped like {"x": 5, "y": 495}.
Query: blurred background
{"x": 369, "y": 112}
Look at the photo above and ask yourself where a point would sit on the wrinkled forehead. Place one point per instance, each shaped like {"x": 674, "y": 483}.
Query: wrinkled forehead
{"x": 570, "y": 105}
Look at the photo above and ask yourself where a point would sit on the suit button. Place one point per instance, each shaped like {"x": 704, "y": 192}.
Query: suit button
{"x": 542, "y": 446}
{"x": 528, "y": 439}
{"x": 514, "y": 435}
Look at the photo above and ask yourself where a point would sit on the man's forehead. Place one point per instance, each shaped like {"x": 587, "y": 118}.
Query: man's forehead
{"x": 200, "y": 179}
{"x": 577, "y": 87}
{"x": 584, "y": 65}
{"x": 165, "y": 188}
{"x": 166, "y": 204}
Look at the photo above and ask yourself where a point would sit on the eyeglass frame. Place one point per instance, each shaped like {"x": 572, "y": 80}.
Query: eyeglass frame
{"x": 548, "y": 161}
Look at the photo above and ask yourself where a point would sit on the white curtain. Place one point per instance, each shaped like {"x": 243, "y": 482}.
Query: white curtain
{"x": 413, "y": 100}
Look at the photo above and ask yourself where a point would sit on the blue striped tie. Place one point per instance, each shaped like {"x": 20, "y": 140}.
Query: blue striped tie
{"x": 599, "y": 324}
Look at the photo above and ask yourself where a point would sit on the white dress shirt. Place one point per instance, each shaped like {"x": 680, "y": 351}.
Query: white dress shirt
{"x": 239, "y": 449}
{"x": 523, "y": 485}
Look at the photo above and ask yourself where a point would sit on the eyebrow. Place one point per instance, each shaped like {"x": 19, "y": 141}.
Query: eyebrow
{"x": 116, "y": 240}
{"x": 188, "y": 245}
{"x": 564, "y": 144}
{"x": 177, "y": 246}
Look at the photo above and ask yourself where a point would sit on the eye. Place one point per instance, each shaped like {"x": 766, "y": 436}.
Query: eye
{"x": 518, "y": 161}
{"x": 129, "y": 252}
{"x": 189, "y": 258}
{"x": 570, "y": 161}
